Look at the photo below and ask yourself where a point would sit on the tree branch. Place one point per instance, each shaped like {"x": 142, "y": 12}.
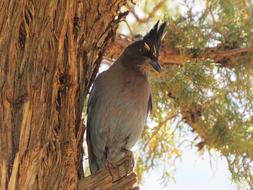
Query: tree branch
{"x": 121, "y": 177}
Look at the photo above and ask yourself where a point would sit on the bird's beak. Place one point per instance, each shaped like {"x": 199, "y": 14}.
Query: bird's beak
{"x": 156, "y": 65}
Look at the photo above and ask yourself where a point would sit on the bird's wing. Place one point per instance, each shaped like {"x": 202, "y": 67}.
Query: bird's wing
{"x": 95, "y": 142}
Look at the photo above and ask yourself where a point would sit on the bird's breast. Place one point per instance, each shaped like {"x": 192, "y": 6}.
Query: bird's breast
{"x": 121, "y": 108}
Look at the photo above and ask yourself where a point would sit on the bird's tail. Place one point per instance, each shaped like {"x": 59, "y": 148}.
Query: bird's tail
{"x": 93, "y": 160}
{"x": 94, "y": 165}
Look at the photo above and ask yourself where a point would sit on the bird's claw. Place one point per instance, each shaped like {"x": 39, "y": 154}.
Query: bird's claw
{"x": 129, "y": 160}
{"x": 127, "y": 163}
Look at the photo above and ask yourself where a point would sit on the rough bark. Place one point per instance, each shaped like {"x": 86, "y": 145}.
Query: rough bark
{"x": 49, "y": 54}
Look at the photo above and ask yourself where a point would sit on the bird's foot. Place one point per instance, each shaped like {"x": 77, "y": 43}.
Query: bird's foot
{"x": 129, "y": 160}
{"x": 121, "y": 168}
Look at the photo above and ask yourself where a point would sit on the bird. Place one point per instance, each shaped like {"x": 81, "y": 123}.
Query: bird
{"x": 120, "y": 101}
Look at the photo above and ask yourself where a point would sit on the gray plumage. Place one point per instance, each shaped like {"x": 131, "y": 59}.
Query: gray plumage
{"x": 120, "y": 100}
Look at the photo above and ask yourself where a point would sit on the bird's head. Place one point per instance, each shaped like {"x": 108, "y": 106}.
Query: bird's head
{"x": 146, "y": 51}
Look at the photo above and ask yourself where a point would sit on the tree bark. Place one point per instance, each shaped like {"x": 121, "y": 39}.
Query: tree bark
{"x": 50, "y": 52}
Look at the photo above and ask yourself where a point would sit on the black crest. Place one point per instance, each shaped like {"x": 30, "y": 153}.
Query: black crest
{"x": 154, "y": 36}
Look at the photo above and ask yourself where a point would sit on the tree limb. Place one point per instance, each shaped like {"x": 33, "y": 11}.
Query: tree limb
{"x": 121, "y": 177}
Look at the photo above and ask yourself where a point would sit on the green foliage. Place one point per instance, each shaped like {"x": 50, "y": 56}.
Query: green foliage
{"x": 227, "y": 23}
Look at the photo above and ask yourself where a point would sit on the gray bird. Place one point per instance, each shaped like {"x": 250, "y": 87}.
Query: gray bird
{"x": 120, "y": 101}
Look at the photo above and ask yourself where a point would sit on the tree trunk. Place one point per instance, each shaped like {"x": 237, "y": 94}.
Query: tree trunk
{"x": 50, "y": 52}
